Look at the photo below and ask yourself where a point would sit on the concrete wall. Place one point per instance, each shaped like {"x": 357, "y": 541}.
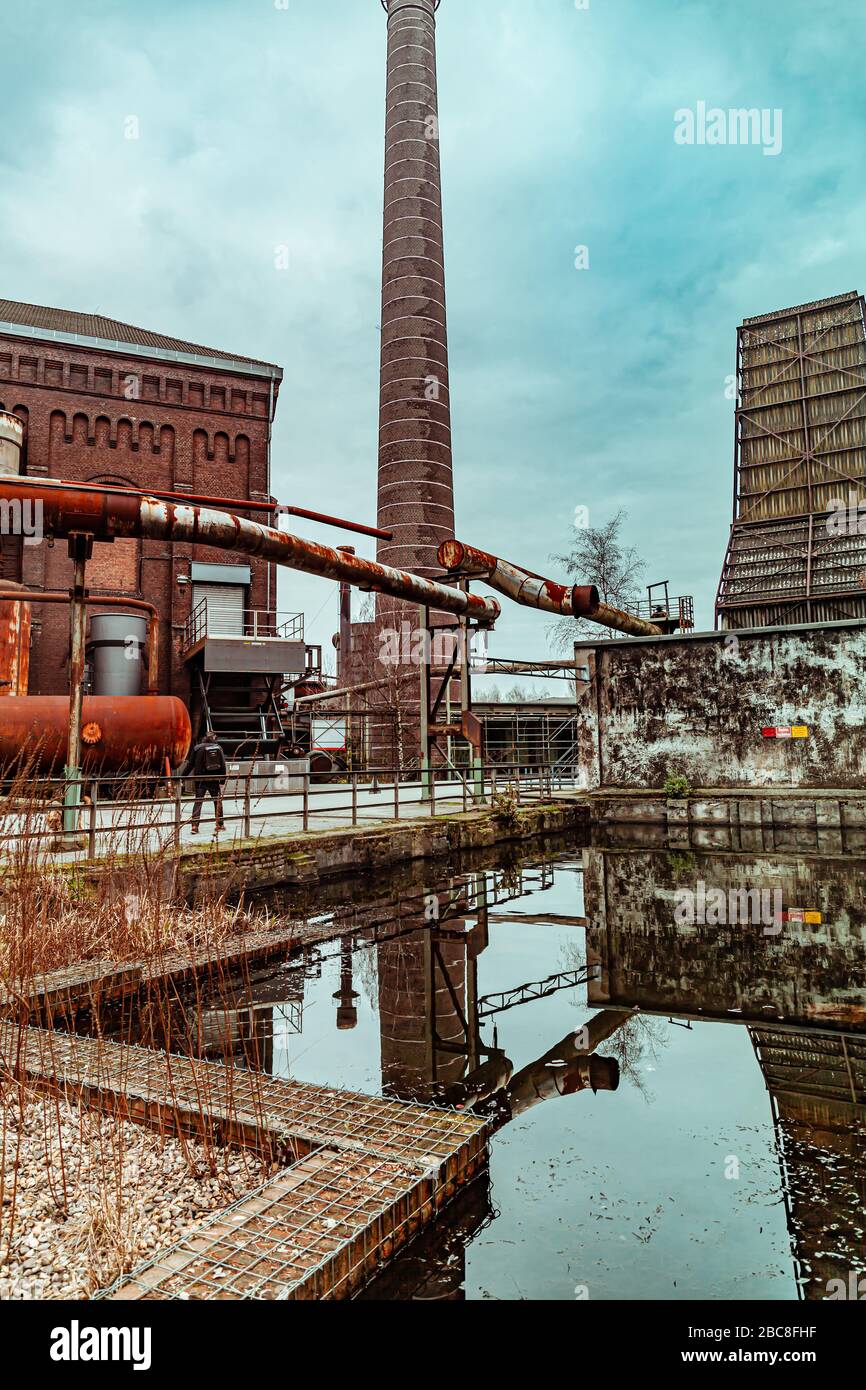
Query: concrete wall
{"x": 809, "y": 974}
{"x": 696, "y": 705}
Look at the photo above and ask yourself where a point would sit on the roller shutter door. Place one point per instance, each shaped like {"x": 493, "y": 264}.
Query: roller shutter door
{"x": 225, "y": 608}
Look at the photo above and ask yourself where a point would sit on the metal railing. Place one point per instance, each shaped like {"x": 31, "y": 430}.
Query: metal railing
{"x": 215, "y": 618}
{"x": 680, "y": 610}
{"x": 123, "y": 815}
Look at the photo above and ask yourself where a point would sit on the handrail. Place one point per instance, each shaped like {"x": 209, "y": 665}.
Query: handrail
{"x": 262, "y": 624}
{"x": 106, "y": 825}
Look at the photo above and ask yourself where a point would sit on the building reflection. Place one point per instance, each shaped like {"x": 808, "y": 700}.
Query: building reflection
{"x": 800, "y": 992}
{"x": 799, "y": 989}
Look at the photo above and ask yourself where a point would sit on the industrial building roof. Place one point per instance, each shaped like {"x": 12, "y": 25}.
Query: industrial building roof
{"x": 66, "y": 325}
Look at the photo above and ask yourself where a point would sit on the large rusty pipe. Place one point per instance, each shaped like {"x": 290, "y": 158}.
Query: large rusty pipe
{"x": 533, "y": 591}
{"x": 106, "y": 515}
{"x": 243, "y": 504}
{"x": 139, "y": 605}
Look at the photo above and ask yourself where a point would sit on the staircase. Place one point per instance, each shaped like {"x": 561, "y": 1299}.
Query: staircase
{"x": 243, "y": 710}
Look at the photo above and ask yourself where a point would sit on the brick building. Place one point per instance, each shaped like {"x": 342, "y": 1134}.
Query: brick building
{"x": 105, "y": 402}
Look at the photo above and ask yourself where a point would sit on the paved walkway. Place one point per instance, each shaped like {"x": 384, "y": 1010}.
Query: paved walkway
{"x": 150, "y": 826}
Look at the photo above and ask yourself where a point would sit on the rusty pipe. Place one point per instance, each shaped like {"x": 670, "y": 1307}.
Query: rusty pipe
{"x": 241, "y": 504}
{"x": 534, "y": 591}
{"x": 624, "y": 622}
{"x": 354, "y": 689}
{"x": 111, "y": 514}
{"x": 140, "y": 605}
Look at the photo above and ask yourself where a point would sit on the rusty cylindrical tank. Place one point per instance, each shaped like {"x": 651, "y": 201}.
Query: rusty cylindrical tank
{"x": 120, "y": 734}
{"x": 14, "y": 641}
{"x": 11, "y": 442}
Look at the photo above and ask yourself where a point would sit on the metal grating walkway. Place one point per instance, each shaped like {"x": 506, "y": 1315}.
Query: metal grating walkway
{"x": 318, "y": 1231}
{"x": 368, "y": 1172}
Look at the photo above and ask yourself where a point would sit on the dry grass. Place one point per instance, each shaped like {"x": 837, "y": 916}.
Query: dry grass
{"x": 84, "y": 1196}
{"x": 55, "y": 915}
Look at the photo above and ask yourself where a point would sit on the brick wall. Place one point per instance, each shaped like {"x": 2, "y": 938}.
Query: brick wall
{"x": 94, "y": 416}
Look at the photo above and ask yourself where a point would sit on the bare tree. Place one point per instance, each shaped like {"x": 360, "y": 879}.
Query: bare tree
{"x": 599, "y": 557}
{"x": 523, "y": 694}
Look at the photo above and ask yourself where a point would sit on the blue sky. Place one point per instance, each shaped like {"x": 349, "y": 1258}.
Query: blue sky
{"x": 603, "y": 387}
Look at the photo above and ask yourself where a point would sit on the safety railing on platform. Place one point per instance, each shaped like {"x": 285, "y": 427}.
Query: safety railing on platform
{"x": 123, "y": 814}
{"x": 214, "y": 617}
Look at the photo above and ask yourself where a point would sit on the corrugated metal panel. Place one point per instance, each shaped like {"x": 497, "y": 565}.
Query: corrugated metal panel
{"x": 225, "y": 608}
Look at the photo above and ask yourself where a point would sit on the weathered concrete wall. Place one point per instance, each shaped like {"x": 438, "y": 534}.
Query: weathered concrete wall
{"x": 696, "y": 705}
{"x": 798, "y": 973}
{"x": 739, "y": 818}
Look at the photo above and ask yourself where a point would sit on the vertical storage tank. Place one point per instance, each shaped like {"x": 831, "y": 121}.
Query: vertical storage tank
{"x": 11, "y": 442}
{"x": 116, "y": 648}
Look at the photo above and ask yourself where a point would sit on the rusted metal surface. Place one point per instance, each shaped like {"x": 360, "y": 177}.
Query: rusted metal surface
{"x": 327, "y": 520}
{"x": 532, "y": 590}
{"x": 243, "y": 504}
{"x": 624, "y": 622}
{"x": 344, "y": 634}
{"x": 128, "y": 734}
{"x": 14, "y": 639}
{"x": 343, "y": 692}
{"x": 136, "y": 605}
{"x": 109, "y": 514}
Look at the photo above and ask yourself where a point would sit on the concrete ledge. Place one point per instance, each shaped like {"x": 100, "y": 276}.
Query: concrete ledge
{"x": 734, "y": 805}
{"x": 743, "y": 818}
{"x": 303, "y": 859}
{"x": 322, "y": 854}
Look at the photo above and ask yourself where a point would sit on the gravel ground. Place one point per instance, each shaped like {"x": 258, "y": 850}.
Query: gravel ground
{"x": 94, "y": 1195}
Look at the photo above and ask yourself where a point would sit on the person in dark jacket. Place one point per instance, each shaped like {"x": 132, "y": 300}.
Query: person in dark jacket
{"x": 207, "y": 766}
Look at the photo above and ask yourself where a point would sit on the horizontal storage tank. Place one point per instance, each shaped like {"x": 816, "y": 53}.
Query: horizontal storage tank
{"x": 120, "y": 734}
{"x": 11, "y": 442}
{"x": 116, "y": 648}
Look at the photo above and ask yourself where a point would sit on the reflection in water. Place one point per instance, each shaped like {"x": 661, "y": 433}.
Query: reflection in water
{"x": 477, "y": 992}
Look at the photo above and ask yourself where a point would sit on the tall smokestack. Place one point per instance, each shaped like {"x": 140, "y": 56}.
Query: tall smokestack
{"x": 416, "y": 497}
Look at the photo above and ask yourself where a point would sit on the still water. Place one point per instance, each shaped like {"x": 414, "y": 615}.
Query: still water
{"x": 679, "y": 1106}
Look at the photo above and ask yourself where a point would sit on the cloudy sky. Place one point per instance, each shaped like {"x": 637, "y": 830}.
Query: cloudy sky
{"x": 261, "y": 125}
